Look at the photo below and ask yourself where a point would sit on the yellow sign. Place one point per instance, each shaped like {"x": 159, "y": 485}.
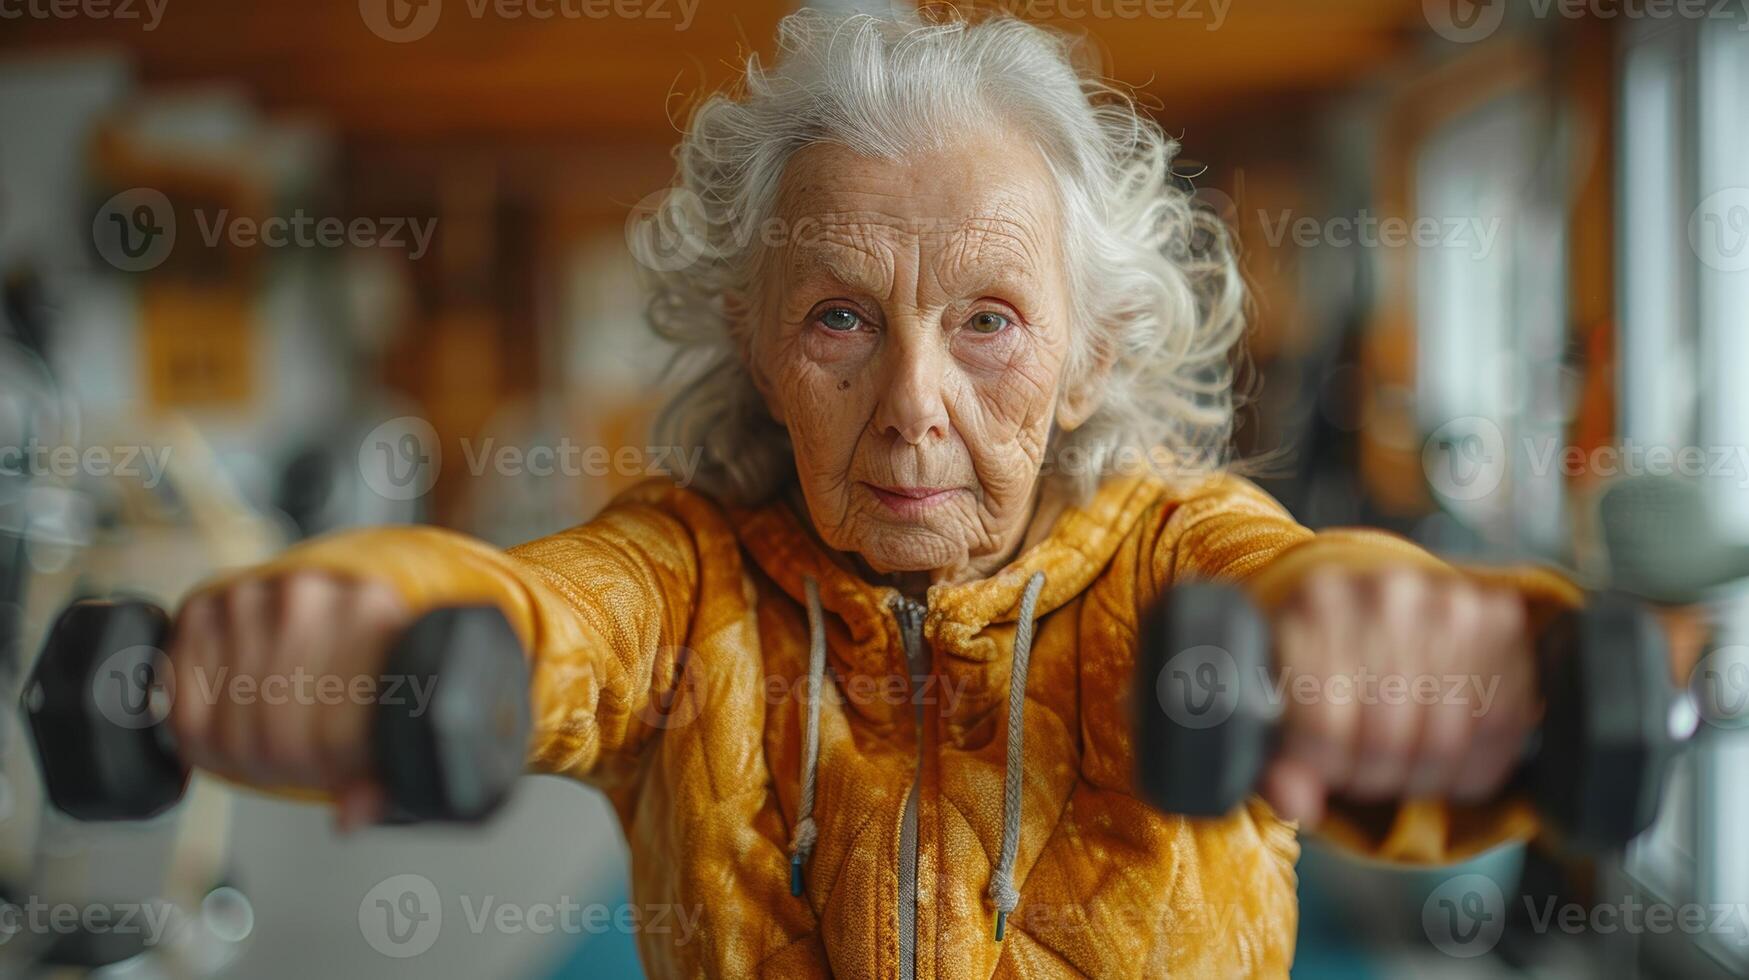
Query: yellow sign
{"x": 197, "y": 346}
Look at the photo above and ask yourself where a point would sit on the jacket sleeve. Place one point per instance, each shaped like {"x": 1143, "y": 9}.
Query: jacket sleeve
{"x": 603, "y": 610}
{"x": 1230, "y": 530}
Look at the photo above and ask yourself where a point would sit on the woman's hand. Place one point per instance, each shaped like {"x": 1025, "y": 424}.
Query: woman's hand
{"x": 275, "y": 679}
{"x": 1399, "y": 683}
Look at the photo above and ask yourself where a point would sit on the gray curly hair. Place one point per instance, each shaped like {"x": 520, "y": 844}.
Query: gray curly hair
{"x": 1154, "y": 285}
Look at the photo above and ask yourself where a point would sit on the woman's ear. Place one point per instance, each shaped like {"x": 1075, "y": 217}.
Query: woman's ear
{"x": 1084, "y": 395}
{"x": 738, "y": 313}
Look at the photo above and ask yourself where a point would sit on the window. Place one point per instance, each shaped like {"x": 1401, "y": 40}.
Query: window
{"x": 1684, "y": 260}
{"x": 1490, "y": 317}
{"x": 1719, "y": 232}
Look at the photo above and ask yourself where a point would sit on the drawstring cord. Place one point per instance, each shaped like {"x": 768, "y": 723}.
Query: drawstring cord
{"x": 802, "y": 843}
{"x": 1002, "y": 890}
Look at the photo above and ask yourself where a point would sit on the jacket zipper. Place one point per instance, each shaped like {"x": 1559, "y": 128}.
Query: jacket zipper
{"x": 909, "y": 613}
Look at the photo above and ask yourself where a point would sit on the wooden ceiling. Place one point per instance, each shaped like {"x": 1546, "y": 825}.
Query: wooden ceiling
{"x": 479, "y": 76}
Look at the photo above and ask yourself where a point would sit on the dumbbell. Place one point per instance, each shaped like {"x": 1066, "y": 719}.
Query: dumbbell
{"x": 449, "y": 735}
{"x": 1207, "y": 709}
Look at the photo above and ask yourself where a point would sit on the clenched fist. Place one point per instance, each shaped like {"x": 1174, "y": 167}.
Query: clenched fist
{"x": 1399, "y": 684}
{"x": 275, "y": 678}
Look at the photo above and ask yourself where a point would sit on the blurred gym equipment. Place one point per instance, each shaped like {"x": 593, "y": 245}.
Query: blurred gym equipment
{"x": 68, "y": 535}
{"x": 1663, "y": 541}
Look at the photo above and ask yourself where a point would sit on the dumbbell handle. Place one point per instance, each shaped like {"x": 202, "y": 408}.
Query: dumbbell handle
{"x": 1207, "y": 713}
{"x": 446, "y": 746}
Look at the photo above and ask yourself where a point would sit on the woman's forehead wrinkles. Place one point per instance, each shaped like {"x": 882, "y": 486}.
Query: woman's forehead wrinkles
{"x": 992, "y": 247}
{"x": 859, "y": 262}
{"x": 997, "y": 212}
{"x": 859, "y": 249}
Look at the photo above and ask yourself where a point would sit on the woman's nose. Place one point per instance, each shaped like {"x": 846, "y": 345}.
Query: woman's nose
{"x": 912, "y": 404}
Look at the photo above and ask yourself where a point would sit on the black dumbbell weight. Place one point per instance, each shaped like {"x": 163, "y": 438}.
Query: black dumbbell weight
{"x": 450, "y": 732}
{"x": 1207, "y": 708}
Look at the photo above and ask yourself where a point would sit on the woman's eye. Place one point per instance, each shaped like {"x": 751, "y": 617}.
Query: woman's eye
{"x": 988, "y": 322}
{"x": 840, "y": 320}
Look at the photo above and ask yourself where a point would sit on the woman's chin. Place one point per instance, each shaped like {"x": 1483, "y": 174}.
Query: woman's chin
{"x": 921, "y": 550}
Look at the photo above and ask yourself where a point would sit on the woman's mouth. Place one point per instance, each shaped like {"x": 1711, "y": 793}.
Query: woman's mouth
{"x": 910, "y": 501}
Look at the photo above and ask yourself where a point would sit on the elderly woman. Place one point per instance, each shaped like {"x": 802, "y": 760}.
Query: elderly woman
{"x": 862, "y": 694}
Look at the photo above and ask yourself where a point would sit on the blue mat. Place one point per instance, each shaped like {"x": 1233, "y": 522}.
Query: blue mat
{"x": 612, "y": 955}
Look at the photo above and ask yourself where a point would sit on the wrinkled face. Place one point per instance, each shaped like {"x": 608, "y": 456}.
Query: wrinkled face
{"x": 911, "y": 336}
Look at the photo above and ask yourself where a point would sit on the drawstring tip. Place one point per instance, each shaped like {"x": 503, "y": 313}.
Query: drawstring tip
{"x": 795, "y": 874}
{"x": 1001, "y": 924}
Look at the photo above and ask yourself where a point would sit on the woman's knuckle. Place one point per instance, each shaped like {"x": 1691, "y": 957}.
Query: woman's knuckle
{"x": 301, "y": 594}
{"x": 1507, "y": 612}
{"x": 1325, "y": 598}
{"x": 239, "y": 601}
{"x": 1463, "y": 605}
{"x": 376, "y": 600}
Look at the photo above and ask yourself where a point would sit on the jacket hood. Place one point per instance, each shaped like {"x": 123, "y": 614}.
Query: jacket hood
{"x": 1079, "y": 545}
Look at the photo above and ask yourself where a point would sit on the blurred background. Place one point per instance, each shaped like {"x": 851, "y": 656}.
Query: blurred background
{"x": 274, "y": 268}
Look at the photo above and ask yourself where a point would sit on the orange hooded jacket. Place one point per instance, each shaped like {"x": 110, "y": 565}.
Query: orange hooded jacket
{"x": 673, "y": 639}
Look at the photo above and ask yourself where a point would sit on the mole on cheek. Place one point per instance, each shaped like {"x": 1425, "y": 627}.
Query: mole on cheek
{"x": 844, "y": 385}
